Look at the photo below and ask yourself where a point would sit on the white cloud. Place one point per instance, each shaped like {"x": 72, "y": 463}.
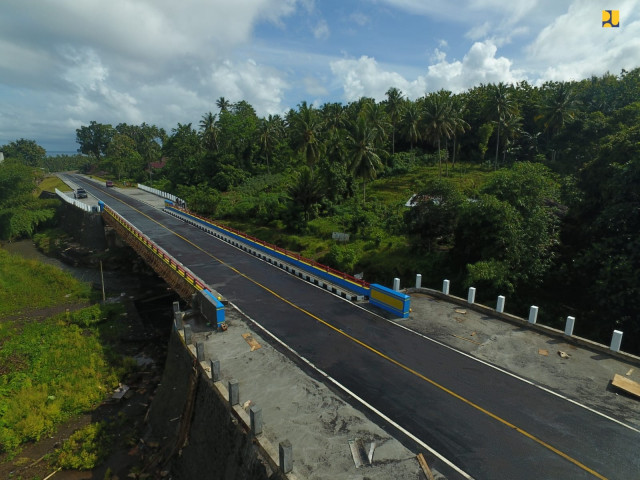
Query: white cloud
{"x": 359, "y": 18}
{"x": 314, "y": 87}
{"x": 576, "y": 46}
{"x": 261, "y": 86}
{"x": 321, "y": 30}
{"x": 365, "y": 77}
{"x": 465, "y": 11}
{"x": 65, "y": 62}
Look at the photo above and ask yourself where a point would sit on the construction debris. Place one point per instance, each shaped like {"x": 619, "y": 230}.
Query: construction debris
{"x": 425, "y": 467}
{"x": 461, "y": 311}
{"x": 251, "y": 341}
{"x": 626, "y": 384}
{"x": 564, "y": 355}
{"x": 543, "y": 352}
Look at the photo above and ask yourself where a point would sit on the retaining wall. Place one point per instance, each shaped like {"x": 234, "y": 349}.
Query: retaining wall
{"x": 86, "y": 228}
{"x": 196, "y": 425}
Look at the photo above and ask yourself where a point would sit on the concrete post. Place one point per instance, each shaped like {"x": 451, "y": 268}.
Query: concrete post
{"x": 234, "y": 392}
{"x": 396, "y": 284}
{"x": 445, "y": 287}
{"x": 200, "y": 351}
{"x": 188, "y": 334}
{"x": 418, "y": 281}
{"x": 472, "y": 295}
{"x": 616, "y": 341}
{"x": 215, "y": 370}
{"x": 176, "y": 307}
{"x": 286, "y": 456}
{"x": 500, "y": 304}
{"x": 568, "y": 328}
{"x": 255, "y": 417}
{"x": 533, "y": 314}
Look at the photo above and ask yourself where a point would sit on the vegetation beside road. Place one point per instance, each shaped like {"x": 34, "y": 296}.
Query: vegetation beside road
{"x": 525, "y": 191}
{"x": 57, "y": 358}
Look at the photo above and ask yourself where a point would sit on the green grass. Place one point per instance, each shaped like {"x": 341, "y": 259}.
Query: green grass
{"x": 377, "y": 246}
{"x": 53, "y": 370}
{"x": 27, "y": 285}
{"x": 50, "y": 183}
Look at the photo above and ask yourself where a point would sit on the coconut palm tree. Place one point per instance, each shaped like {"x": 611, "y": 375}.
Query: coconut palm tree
{"x": 410, "y": 126}
{"x": 503, "y": 105}
{"x": 209, "y": 132}
{"x": 394, "y": 110}
{"x": 458, "y": 123}
{"x": 377, "y": 118}
{"x": 306, "y": 126}
{"x": 271, "y": 131}
{"x": 306, "y": 191}
{"x": 362, "y": 153}
{"x": 223, "y": 104}
{"x": 436, "y": 120}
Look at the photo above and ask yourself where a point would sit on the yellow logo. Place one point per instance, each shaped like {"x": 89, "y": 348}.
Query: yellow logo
{"x": 610, "y": 18}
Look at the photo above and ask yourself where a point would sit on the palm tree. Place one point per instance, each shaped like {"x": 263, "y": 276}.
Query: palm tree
{"x": 411, "y": 123}
{"x": 333, "y": 117}
{"x": 458, "y": 123}
{"x": 209, "y": 132}
{"x": 223, "y": 104}
{"x": 394, "y": 109}
{"x": 502, "y": 106}
{"x": 512, "y": 127}
{"x": 306, "y": 191}
{"x": 377, "y": 118}
{"x": 271, "y": 131}
{"x": 306, "y": 128}
{"x": 436, "y": 120}
{"x": 363, "y": 153}
{"x": 559, "y": 107}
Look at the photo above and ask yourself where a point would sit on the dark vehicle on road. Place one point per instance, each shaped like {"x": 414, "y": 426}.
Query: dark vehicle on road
{"x": 109, "y": 183}
{"x": 80, "y": 193}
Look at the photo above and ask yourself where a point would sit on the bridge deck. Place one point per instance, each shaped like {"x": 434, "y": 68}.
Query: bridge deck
{"x": 489, "y": 424}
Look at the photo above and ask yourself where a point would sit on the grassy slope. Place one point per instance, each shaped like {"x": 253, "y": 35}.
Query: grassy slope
{"x": 51, "y": 369}
{"x": 380, "y": 259}
{"x": 27, "y": 284}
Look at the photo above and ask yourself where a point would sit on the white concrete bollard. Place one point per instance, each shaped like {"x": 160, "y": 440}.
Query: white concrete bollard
{"x": 445, "y": 287}
{"x": 418, "y": 281}
{"x": 616, "y": 341}
{"x": 471, "y": 297}
{"x": 533, "y": 314}
{"x": 396, "y": 284}
{"x": 568, "y": 328}
{"x": 500, "y": 304}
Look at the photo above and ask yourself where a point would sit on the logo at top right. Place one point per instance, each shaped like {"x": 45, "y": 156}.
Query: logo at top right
{"x": 610, "y": 18}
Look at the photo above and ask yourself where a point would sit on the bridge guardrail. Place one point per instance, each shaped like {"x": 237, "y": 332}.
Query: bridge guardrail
{"x": 74, "y": 202}
{"x": 162, "y": 194}
{"x": 344, "y": 280}
{"x": 190, "y": 277}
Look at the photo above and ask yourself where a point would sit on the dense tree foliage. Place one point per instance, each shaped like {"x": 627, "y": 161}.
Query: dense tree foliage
{"x": 20, "y": 212}
{"x": 27, "y": 152}
{"x": 557, "y": 202}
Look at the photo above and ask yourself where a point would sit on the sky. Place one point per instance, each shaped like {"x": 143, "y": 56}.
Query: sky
{"x": 64, "y": 63}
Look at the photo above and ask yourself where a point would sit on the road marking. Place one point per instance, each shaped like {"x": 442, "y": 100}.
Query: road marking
{"x": 382, "y": 355}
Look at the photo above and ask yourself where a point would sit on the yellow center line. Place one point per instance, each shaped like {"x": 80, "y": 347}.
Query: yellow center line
{"x": 386, "y": 357}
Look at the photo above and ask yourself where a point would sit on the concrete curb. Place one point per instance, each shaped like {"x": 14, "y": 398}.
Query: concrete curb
{"x": 521, "y": 322}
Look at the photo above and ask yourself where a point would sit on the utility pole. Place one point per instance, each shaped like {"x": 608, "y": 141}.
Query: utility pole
{"x": 102, "y": 279}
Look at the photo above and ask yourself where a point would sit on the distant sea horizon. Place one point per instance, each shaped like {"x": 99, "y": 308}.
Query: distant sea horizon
{"x": 53, "y": 153}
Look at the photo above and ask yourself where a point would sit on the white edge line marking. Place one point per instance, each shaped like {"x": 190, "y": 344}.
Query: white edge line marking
{"x": 353, "y": 395}
{"x": 449, "y": 347}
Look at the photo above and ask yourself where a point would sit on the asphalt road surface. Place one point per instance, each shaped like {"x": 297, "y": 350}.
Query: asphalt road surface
{"x": 489, "y": 424}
